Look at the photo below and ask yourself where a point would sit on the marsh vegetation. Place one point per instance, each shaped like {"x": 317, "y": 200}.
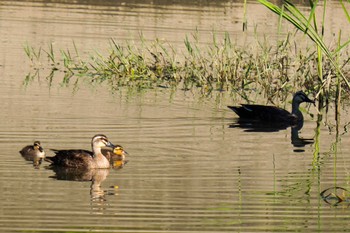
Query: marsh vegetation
{"x": 168, "y": 107}
{"x": 273, "y": 68}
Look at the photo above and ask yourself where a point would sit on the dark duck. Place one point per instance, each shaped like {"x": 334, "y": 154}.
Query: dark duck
{"x": 83, "y": 158}
{"x": 274, "y": 114}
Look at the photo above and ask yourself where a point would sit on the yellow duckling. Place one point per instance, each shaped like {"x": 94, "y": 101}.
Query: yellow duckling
{"x": 117, "y": 156}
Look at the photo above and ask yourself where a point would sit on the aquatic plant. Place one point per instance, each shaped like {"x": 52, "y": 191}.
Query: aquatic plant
{"x": 330, "y": 72}
{"x": 274, "y": 71}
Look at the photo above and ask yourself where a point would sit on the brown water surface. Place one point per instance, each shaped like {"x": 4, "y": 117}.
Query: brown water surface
{"x": 190, "y": 169}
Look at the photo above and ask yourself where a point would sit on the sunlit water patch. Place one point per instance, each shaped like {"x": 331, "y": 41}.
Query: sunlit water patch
{"x": 188, "y": 170}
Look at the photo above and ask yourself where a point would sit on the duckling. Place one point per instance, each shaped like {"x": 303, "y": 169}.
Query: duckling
{"x": 83, "y": 158}
{"x": 116, "y": 156}
{"x": 272, "y": 113}
{"x": 33, "y": 153}
{"x": 117, "y": 153}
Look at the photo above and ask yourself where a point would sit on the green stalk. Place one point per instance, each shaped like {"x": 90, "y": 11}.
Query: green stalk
{"x": 245, "y": 23}
{"x": 296, "y": 18}
{"x": 338, "y": 91}
{"x": 345, "y": 11}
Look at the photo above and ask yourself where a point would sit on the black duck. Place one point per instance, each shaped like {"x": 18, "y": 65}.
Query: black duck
{"x": 273, "y": 114}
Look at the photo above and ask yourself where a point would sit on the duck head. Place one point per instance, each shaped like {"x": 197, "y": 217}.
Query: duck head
{"x": 300, "y": 97}
{"x": 99, "y": 141}
{"x": 37, "y": 146}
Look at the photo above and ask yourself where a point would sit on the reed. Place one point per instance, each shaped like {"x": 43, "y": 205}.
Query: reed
{"x": 330, "y": 68}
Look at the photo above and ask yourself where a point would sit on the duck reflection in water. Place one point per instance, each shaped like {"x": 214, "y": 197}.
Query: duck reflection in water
{"x": 34, "y": 153}
{"x": 261, "y": 118}
{"x": 95, "y": 176}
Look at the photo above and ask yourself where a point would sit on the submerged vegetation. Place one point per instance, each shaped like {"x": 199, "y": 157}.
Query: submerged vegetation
{"x": 272, "y": 69}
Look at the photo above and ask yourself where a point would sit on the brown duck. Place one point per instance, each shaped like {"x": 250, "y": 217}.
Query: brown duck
{"x": 33, "y": 153}
{"x": 83, "y": 158}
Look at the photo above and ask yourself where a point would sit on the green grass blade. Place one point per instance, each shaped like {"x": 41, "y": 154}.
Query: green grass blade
{"x": 345, "y": 10}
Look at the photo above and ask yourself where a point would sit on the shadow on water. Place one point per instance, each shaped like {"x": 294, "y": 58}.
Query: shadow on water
{"x": 269, "y": 127}
{"x": 95, "y": 176}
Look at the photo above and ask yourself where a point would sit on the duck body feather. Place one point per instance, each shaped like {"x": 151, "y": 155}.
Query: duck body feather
{"x": 264, "y": 113}
{"x": 72, "y": 158}
{"x": 274, "y": 114}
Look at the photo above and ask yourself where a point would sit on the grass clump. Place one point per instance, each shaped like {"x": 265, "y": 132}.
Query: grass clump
{"x": 221, "y": 65}
{"x": 273, "y": 69}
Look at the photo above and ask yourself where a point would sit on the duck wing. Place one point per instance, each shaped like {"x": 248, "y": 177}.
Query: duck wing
{"x": 262, "y": 112}
{"x": 70, "y": 158}
{"x": 27, "y": 150}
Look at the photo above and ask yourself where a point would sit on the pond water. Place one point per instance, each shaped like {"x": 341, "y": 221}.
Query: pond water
{"x": 190, "y": 169}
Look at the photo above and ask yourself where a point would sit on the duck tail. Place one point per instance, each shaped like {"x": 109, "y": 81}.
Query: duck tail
{"x": 235, "y": 109}
{"x": 49, "y": 159}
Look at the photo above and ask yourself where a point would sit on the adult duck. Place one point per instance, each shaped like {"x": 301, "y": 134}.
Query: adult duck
{"x": 83, "y": 158}
{"x": 273, "y": 114}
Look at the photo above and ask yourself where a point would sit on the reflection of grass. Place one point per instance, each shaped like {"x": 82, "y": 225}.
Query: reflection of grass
{"x": 221, "y": 65}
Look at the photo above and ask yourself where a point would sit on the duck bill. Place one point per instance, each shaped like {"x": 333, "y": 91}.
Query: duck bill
{"x": 110, "y": 145}
{"x": 310, "y": 101}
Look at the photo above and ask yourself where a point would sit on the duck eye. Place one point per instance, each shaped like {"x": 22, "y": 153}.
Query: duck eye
{"x": 105, "y": 141}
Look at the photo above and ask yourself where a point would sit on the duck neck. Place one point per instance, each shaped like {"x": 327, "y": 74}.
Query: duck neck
{"x": 101, "y": 160}
{"x": 97, "y": 151}
{"x": 296, "y": 111}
